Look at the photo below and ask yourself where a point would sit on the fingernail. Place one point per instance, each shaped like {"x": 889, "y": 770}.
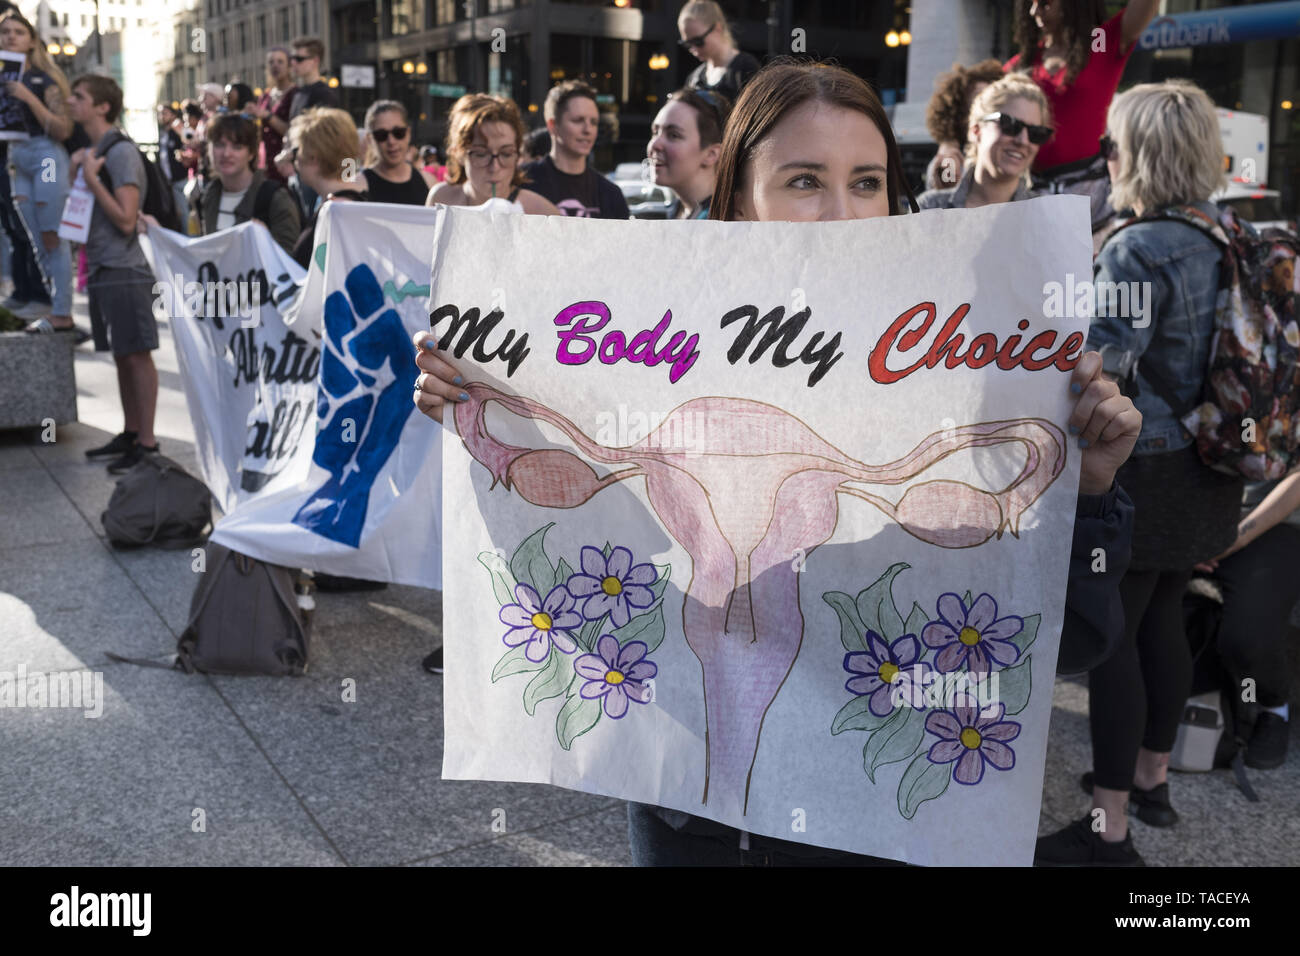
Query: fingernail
{"x": 464, "y": 397}
{"x": 458, "y": 380}
{"x": 431, "y": 344}
{"x": 1075, "y": 388}
{"x": 1074, "y": 429}
{"x": 1083, "y": 443}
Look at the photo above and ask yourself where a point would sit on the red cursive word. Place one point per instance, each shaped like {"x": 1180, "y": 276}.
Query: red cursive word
{"x": 984, "y": 347}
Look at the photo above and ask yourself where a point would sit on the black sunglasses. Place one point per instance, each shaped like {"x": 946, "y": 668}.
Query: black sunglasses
{"x": 397, "y": 132}
{"x": 695, "y": 42}
{"x": 1038, "y": 135}
{"x": 299, "y": 58}
{"x": 1109, "y": 149}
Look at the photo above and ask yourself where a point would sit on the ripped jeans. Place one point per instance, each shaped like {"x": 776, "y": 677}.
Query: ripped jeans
{"x": 40, "y": 190}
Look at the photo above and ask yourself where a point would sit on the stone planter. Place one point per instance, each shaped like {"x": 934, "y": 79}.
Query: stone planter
{"x": 37, "y": 380}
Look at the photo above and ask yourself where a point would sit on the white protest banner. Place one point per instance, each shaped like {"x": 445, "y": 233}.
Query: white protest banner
{"x": 764, "y": 522}
{"x": 365, "y": 496}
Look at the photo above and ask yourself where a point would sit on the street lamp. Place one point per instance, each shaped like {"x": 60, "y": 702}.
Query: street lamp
{"x": 69, "y": 49}
{"x": 892, "y": 39}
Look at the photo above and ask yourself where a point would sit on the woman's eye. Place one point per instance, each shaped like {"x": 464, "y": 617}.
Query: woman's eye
{"x": 804, "y": 181}
{"x": 871, "y": 184}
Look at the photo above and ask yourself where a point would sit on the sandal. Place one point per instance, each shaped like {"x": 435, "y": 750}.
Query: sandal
{"x": 44, "y": 326}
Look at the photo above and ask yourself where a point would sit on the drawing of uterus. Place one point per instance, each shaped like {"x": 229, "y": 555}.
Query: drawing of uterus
{"x": 754, "y": 492}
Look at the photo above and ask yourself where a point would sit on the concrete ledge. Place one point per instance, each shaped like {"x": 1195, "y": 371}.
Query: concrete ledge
{"x": 37, "y": 381}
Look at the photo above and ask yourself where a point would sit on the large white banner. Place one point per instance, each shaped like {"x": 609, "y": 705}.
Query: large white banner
{"x": 354, "y": 484}
{"x": 768, "y": 523}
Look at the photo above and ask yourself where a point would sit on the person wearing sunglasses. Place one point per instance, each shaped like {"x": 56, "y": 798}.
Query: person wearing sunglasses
{"x": 685, "y": 143}
{"x": 306, "y": 59}
{"x": 1009, "y": 121}
{"x": 390, "y": 177}
{"x": 723, "y": 69}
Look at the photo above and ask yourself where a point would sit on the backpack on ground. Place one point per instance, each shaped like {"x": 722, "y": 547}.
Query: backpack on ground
{"x": 157, "y": 503}
{"x": 1248, "y": 419}
{"x": 159, "y": 201}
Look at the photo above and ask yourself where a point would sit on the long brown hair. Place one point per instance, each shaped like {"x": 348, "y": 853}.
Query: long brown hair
{"x": 775, "y": 90}
{"x": 1078, "y": 18}
{"x": 39, "y": 57}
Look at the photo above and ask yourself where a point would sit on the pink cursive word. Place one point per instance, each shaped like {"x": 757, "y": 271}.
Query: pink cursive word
{"x": 578, "y": 346}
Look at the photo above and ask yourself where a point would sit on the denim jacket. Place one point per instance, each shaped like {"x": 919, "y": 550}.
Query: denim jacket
{"x": 1174, "y": 268}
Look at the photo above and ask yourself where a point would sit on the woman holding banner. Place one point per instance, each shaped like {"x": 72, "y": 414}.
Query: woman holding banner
{"x": 40, "y": 196}
{"x": 685, "y": 142}
{"x": 812, "y": 143}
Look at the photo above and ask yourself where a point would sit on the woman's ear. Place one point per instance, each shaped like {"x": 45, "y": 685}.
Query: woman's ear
{"x": 738, "y": 210}
{"x": 711, "y": 156}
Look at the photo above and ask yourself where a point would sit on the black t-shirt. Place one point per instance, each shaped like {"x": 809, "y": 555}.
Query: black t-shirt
{"x": 314, "y": 94}
{"x": 587, "y": 194}
{"x": 39, "y": 82}
{"x": 739, "y": 70}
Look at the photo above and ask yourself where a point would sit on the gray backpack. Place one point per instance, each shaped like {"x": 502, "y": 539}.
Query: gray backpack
{"x": 246, "y": 617}
{"x": 157, "y": 503}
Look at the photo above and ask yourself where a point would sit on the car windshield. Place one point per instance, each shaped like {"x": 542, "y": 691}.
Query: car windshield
{"x": 1263, "y": 208}
{"x": 637, "y": 192}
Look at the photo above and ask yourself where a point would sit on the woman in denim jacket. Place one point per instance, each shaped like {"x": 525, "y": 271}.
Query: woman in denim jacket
{"x": 1156, "y": 284}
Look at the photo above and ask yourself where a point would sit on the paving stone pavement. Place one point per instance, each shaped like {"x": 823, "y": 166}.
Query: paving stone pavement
{"x": 281, "y": 771}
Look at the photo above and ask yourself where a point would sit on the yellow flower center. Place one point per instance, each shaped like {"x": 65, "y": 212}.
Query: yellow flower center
{"x": 970, "y": 738}
{"x": 969, "y": 636}
{"x": 888, "y": 673}
{"x": 613, "y": 677}
{"x": 542, "y": 621}
{"x": 611, "y": 585}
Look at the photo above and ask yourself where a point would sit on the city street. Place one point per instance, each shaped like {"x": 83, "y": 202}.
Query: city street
{"x": 184, "y": 770}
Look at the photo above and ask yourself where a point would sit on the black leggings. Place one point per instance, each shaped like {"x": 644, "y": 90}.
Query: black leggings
{"x": 1136, "y": 697}
{"x": 1260, "y": 586}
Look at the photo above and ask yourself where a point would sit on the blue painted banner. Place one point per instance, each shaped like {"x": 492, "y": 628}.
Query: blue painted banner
{"x": 1262, "y": 21}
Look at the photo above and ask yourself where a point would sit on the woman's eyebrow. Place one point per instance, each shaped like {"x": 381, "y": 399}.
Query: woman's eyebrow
{"x": 821, "y": 167}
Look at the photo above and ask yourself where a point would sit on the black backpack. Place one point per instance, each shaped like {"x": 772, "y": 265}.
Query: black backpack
{"x": 261, "y": 201}
{"x": 158, "y": 199}
{"x": 157, "y": 503}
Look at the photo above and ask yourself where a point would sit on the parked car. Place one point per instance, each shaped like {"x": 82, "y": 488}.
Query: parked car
{"x": 1258, "y": 206}
{"x": 648, "y": 201}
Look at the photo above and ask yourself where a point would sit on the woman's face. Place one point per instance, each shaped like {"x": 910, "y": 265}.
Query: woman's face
{"x": 1005, "y": 155}
{"x": 674, "y": 148}
{"x": 713, "y": 43}
{"x": 229, "y": 158}
{"x": 820, "y": 163}
{"x": 14, "y": 37}
{"x": 492, "y": 137}
{"x": 1046, "y": 13}
{"x": 394, "y": 147}
{"x": 232, "y": 99}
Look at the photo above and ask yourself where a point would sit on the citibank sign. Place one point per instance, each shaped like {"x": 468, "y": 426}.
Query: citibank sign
{"x": 1260, "y": 21}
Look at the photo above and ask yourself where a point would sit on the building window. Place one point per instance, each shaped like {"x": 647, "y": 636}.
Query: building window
{"x": 65, "y": 19}
{"x": 243, "y": 36}
{"x": 54, "y": 19}
{"x": 445, "y": 11}
{"x": 302, "y": 16}
{"x": 225, "y": 47}
{"x": 261, "y": 30}
{"x": 284, "y": 24}
{"x": 404, "y": 16}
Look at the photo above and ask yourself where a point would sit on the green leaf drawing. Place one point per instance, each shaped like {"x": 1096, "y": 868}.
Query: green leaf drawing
{"x": 966, "y": 600}
{"x": 661, "y": 582}
{"x": 852, "y": 630}
{"x": 563, "y": 572}
{"x": 549, "y": 682}
{"x": 590, "y": 631}
{"x": 876, "y": 606}
{"x": 1028, "y": 634}
{"x": 1015, "y": 684}
{"x": 922, "y": 781}
{"x": 576, "y": 717}
{"x": 896, "y": 740}
{"x": 503, "y": 582}
{"x": 916, "y": 622}
{"x": 648, "y": 627}
{"x": 514, "y": 662}
{"x": 855, "y": 716}
{"x": 531, "y": 565}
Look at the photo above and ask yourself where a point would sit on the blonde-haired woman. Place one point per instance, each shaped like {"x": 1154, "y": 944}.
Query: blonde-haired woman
{"x": 40, "y": 197}
{"x": 485, "y": 136}
{"x": 324, "y": 152}
{"x": 1009, "y": 120}
{"x": 1164, "y": 154}
{"x": 705, "y": 33}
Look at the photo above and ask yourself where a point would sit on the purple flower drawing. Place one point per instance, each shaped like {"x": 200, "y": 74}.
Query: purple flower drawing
{"x": 889, "y": 673}
{"x": 612, "y": 585}
{"x": 972, "y": 738}
{"x": 972, "y": 637}
{"x": 617, "y": 674}
{"x": 541, "y": 623}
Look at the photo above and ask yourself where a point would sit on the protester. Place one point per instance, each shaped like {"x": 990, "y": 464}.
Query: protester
{"x": 308, "y": 57}
{"x": 121, "y": 282}
{"x": 389, "y": 176}
{"x": 431, "y": 163}
{"x": 211, "y": 98}
{"x": 537, "y": 144}
{"x": 819, "y": 127}
{"x": 1009, "y": 121}
{"x": 725, "y": 69}
{"x": 170, "y": 145}
{"x": 484, "y": 135}
{"x": 241, "y": 192}
{"x": 239, "y": 97}
{"x": 1079, "y": 69}
{"x": 1166, "y": 153}
{"x": 563, "y": 176}
{"x": 947, "y": 118}
{"x": 272, "y": 110}
{"x": 41, "y": 183}
{"x": 685, "y": 143}
{"x": 324, "y": 140}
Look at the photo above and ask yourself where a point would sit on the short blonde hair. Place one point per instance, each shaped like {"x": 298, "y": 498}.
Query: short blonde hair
{"x": 1170, "y": 150}
{"x": 327, "y": 136}
{"x": 707, "y": 12}
{"x": 991, "y": 99}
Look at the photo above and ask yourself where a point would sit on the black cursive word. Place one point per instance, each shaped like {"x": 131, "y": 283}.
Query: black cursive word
{"x": 512, "y": 351}
{"x": 781, "y": 332}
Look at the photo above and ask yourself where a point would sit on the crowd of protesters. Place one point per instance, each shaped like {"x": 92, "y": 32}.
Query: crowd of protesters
{"x": 786, "y": 142}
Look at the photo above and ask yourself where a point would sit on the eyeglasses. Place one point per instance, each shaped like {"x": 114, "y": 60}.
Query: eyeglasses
{"x": 1109, "y": 149}
{"x": 483, "y": 159}
{"x": 1010, "y": 126}
{"x": 695, "y": 42}
{"x": 397, "y": 132}
{"x": 299, "y": 58}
